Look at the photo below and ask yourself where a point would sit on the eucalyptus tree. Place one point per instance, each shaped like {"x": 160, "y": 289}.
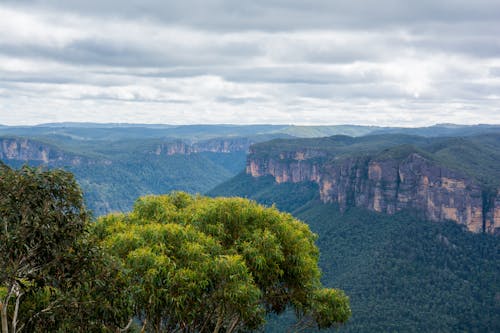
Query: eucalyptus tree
{"x": 51, "y": 273}
{"x": 198, "y": 264}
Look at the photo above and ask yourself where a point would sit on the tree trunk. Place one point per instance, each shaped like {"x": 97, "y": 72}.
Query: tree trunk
{"x": 3, "y": 310}
{"x": 16, "y": 312}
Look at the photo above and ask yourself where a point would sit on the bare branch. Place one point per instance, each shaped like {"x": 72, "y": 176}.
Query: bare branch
{"x": 16, "y": 311}
{"x": 126, "y": 327}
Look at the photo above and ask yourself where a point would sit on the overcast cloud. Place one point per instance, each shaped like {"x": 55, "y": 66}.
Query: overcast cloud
{"x": 385, "y": 62}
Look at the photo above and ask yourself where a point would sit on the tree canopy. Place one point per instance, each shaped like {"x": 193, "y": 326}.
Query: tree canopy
{"x": 199, "y": 264}
{"x": 51, "y": 273}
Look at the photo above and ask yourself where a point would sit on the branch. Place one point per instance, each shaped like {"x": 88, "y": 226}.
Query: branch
{"x": 50, "y": 307}
{"x": 233, "y": 325}
{"x": 126, "y": 327}
{"x": 5, "y": 324}
{"x": 16, "y": 311}
{"x": 207, "y": 320}
{"x": 220, "y": 319}
{"x": 143, "y": 330}
{"x": 305, "y": 323}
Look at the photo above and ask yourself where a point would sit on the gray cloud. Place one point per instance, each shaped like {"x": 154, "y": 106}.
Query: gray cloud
{"x": 282, "y": 15}
{"x": 276, "y": 61}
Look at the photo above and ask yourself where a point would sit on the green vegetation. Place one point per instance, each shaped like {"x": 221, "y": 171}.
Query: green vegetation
{"x": 338, "y": 145}
{"x": 52, "y": 276}
{"x": 119, "y": 163}
{"x": 476, "y": 156}
{"x": 115, "y": 187}
{"x": 113, "y": 174}
{"x": 195, "y": 263}
{"x": 175, "y": 263}
{"x": 405, "y": 274}
{"x": 402, "y": 274}
{"x": 120, "y": 132}
{"x": 286, "y": 196}
{"x": 198, "y": 264}
{"x": 323, "y": 131}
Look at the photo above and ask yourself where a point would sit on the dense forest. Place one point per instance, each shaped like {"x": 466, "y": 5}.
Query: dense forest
{"x": 401, "y": 273}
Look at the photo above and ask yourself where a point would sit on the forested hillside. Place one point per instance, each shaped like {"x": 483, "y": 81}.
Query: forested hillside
{"x": 401, "y": 272}
{"x": 115, "y": 163}
{"x": 113, "y": 174}
{"x": 444, "y": 178}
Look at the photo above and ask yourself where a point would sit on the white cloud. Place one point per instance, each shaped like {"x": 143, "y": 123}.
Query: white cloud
{"x": 65, "y": 65}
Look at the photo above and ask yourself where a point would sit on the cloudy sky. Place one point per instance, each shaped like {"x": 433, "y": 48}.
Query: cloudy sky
{"x": 381, "y": 62}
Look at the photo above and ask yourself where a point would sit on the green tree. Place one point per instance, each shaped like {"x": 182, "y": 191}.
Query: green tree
{"x": 198, "y": 264}
{"x": 51, "y": 274}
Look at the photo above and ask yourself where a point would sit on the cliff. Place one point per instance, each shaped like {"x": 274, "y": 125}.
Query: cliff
{"x": 27, "y": 150}
{"x": 387, "y": 184}
{"x": 223, "y": 145}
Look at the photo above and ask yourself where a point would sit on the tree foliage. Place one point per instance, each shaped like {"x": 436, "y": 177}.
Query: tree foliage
{"x": 198, "y": 264}
{"x": 51, "y": 274}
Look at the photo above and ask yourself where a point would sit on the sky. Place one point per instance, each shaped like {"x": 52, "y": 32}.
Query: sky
{"x": 383, "y": 62}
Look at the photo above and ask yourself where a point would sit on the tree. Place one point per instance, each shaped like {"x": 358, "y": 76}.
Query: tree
{"x": 198, "y": 264}
{"x": 48, "y": 266}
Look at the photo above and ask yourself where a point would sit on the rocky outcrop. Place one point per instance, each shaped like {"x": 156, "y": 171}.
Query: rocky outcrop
{"x": 388, "y": 186}
{"x": 27, "y": 150}
{"x": 212, "y": 145}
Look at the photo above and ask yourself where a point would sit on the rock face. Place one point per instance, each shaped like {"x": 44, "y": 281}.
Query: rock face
{"x": 26, "y": 150}
{"x": 29, "y": 150}
{"x": 212, "y": 145}
{"x": 388, "y": 186}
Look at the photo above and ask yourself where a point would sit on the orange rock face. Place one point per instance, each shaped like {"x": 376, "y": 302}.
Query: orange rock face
{"x": 389, "y": 186}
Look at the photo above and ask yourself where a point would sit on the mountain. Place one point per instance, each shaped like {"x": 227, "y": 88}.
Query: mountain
{"x": 114, "y": 132}
{"x": 454, "y": 179}
{"x": 95, "y": 131}
{"x": 402, "y": 271}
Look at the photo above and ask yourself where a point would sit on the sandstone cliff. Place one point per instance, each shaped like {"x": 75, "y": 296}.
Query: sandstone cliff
{"x": 387, "y": 185}
{"x": 26, "y": 150}
{"x": 226, "y": 145}
{"x": 33, "y": 151}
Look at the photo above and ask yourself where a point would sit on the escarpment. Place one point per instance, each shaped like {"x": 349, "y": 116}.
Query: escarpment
{"x": 27, "y": 150}
{"x": 387, "y": 185}
{"x": 222, "y": 145}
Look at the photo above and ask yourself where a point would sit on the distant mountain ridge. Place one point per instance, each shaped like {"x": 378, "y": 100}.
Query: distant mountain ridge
{"x": 114, "y": 131}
